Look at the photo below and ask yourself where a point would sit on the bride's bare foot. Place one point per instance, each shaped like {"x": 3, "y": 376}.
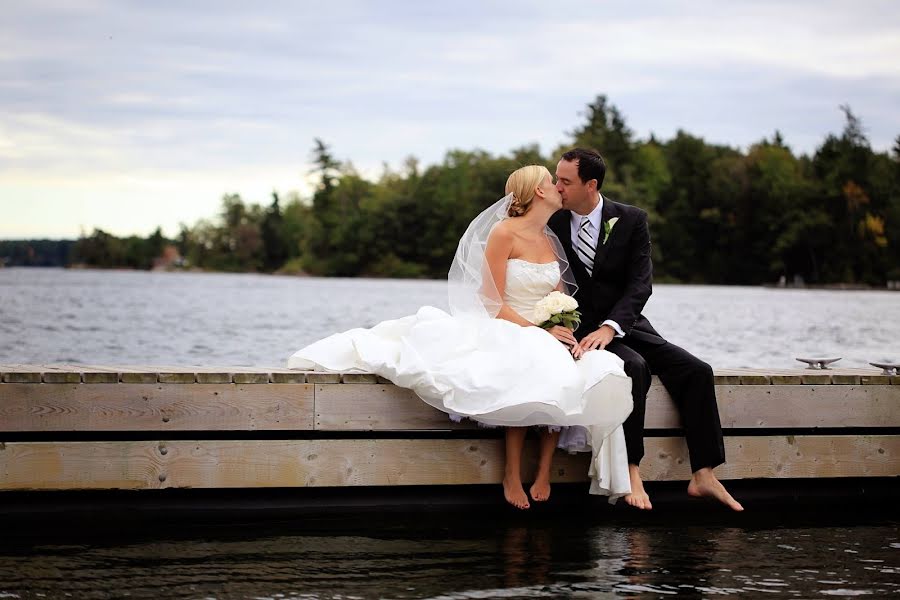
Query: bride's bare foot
{"x": 704, "y": 484}
{"x": 515, "y": 493}
{"x": 638, "y": 497}
{"x": 540, "y": 489}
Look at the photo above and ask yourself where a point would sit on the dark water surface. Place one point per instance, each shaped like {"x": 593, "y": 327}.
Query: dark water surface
{"x": 426, "y": 556}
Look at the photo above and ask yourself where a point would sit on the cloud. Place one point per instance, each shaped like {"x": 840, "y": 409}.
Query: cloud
{"x": 205, "y": 89}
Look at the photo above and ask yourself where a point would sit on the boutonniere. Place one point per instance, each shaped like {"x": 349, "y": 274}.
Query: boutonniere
{"x": 607, "y": 228}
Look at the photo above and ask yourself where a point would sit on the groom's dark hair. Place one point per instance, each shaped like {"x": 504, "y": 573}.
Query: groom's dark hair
{"x": 590, "y": 164}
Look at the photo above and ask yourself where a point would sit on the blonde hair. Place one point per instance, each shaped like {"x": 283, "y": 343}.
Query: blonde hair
{"x": 522, "y": 184}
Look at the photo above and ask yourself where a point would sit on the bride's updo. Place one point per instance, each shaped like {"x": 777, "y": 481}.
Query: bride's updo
{"x": 522, "y": 184}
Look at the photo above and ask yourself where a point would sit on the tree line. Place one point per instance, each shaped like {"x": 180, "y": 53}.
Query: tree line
{"x": 717, "y": 214}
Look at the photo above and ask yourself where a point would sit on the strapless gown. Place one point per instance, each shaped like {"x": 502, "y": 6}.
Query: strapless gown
{"x": 498, "y": 373}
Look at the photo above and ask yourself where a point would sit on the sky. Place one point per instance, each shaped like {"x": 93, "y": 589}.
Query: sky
{"x": 128, "y": 115}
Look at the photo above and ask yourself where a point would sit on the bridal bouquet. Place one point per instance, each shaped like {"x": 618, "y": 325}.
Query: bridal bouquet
{"x": 557, "y": 308}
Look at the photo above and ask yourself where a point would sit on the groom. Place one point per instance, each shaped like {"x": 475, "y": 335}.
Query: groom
{"x": 608, "y": 248}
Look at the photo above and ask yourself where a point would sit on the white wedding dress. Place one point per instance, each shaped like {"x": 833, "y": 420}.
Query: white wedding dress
{"x": 497, "y": 372}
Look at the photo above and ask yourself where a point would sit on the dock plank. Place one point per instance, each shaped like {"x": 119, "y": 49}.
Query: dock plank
{"x": 752, "y": 457}
{"x": 329, "y": 463}
{"x": 809, "y": 406}
{"x": 380, "y": 407}
{"x": 364, "y": 407}
{"x": 20, "y": 377}
{"x": 723, "y": 375}
{"x": 99, "y": 406}
{"x": 155, "y": 407}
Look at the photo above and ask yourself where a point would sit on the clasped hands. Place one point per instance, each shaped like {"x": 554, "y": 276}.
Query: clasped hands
{"x": 595, "y": 340}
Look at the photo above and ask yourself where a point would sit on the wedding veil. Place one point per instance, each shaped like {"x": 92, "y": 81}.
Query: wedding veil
{"x": 472, "y": 289}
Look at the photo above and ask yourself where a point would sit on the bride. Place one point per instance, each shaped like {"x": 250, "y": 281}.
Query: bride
{"x": 489, "y": 361}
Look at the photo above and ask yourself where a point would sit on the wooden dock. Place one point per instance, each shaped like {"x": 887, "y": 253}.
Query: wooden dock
{"x": 78, "y": 427}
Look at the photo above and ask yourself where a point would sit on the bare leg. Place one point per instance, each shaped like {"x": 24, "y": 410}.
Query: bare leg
{"x": 705, "y": 484}
{"x": 540, "y": 490}
{"x": 512, "y": 478}
{"x": 638, "y": 497}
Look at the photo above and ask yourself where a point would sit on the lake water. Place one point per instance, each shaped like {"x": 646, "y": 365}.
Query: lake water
{"x": 450, "y": 559}
{"x": 136, "y": 317}
{"x": 125, "y": 317}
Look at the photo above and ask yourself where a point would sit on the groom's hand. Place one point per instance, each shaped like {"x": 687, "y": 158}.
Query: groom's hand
{"x": 599, "y": 339}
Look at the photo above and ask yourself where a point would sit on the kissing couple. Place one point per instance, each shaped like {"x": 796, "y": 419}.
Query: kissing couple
{"x": 490, "y": 360}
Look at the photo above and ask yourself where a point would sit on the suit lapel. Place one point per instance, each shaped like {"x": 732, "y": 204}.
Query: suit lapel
{"x": 609, "y": 211}
{"x": 561, "y": 224}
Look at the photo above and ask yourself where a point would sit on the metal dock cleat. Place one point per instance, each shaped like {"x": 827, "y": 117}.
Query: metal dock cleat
{"x": 887, "y": 368}
{"x": 818, "y": 363}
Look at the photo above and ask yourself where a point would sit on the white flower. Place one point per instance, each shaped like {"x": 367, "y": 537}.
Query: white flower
{"x": 559, "y": 307}
{"x": 541, "y": 314}
{"x": 607, "y": 228}
{"x": 553, "y": 304}
{"x": 568, "y": 302}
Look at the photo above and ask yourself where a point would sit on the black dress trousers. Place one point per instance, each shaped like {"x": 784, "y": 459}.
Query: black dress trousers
{"x": 691, "y": 385}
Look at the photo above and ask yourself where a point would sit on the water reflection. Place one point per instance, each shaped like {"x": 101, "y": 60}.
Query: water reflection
{"x": 526, "y": 556}
{"x": 426, "y": 558}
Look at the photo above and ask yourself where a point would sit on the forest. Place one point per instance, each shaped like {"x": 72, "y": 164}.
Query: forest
{"x": 718, "y": 215}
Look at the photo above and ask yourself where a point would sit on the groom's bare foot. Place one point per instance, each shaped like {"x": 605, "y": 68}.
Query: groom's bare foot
{"x": 515, "y": 493}
{"x": 540, "y": 489}
{"x": 638, "y": 497}
{"x": 704, "y": 484}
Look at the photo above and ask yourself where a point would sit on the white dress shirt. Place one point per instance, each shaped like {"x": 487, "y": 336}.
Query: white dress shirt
{"x": 596, "y": 217}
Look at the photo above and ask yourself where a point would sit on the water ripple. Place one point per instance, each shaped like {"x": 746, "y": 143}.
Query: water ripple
{"x": 169, "y": 318}
{"x": 469, "y": 560}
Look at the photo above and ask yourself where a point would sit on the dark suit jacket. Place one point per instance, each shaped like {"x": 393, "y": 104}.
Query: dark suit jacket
{"x": 622, "y": 279}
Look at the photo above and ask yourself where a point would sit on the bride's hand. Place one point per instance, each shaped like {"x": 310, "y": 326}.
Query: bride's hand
{"x": 567, "y": 337}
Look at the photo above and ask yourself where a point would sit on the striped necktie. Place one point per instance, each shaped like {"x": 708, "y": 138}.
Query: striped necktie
{"x": 585, "y": 245}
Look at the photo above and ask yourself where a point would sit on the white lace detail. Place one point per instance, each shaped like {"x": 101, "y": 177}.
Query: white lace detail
{"x": 527, "y": 283}
{"x": 533, "y": 265}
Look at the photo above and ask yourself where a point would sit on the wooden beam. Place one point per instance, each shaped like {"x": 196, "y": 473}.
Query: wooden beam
{"x": 155, "y": 407}
{"x": 387, "y": 408}
{"x": 328, "y": 463}
{"x": 807, "y": 406}
{"x": 752, "y": 457}
{"x": 365, "y": 407}
{"x": 138, "y": 374}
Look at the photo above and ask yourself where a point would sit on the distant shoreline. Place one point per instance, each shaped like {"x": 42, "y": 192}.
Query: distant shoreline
{"x": 893, "y": 286}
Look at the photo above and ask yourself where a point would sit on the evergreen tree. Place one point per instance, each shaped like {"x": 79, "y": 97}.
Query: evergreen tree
{"x": 272, "y": 229}
{"x": 717, "y": 214}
